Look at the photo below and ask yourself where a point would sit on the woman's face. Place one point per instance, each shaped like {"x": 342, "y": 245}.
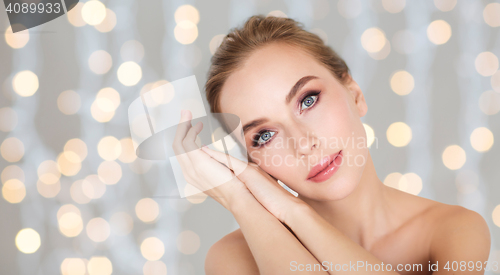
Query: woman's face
{"x": 287, "y": 133}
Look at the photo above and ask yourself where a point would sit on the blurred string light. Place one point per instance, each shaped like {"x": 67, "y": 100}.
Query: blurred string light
{"x": 105, "y": 104}
{"x": 495, "y": 215}
{"x": 490, "y": 14}
{"x": 409, "y": 182}
{"x": 445, "y": 5}
{"x": 12, "y": 172}
{"x": 75, "y": 16}
{"x": 68, "y": 102}
{"x": 25, "y": 83}
{"x": 373, "y": 40}
{"x": 78, "y": 194}
{"x": 495, "y": 81}
{"x": 99, "y": 266}
{"x": 73, "y": 266}
{"x": 110, "y": 172}
{"x": 127, "y": 153}
{"x": 13, "y": 191}
{"x": 152, "y": 249}
{"x": 109, "y": 22}
{"x": 8, "y": 119}
{"x": 12, "y": 149}
{"x": 28, "y": 240}
{"x": 486, "y": 63}
{"x": 454, "y": 157}
{"x": 215, "y": 42}
{"x": 48, "y": 172}
{"x": 69, "y": 220}
{"x": 188, "y": 242}
{"x": 154, "y": 268}
{"x": 394, "y": 6}
{"x": 439, "y": 32}
{"x": 98, "y": 229}
{"x": 93, "y": 12}
{"x": 402, "y": 82}
{"x": 370, "y": 135}
{"x": 100, "y": 62}
{"x": 68, "y": 164}
{"x": 481, "y": 139}
{"x": 147, "y": 210}
{"x": 109, "y": 148}
{"x": 489, "y": 102}
{"x": 48, "y": 190}
{"x": 129, "y": 73}
{"x": 277, "y": 13}
{"x": 399, "y": 134}
{"x": 16, "y": 40}
{"x": 186, "y": 18}
{"x": 75, "y": 149}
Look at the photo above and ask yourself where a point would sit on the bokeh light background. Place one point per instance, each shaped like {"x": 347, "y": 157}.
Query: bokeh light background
{"x": 76, "y": 200}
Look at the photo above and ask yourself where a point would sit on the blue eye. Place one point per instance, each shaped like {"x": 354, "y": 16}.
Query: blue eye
{"x": 308, "y": 102}
{"x": 263, "y": 138}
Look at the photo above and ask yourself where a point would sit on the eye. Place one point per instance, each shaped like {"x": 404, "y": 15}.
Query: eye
{"x": 263, "y": 138}
{"x": 308, "y": 101}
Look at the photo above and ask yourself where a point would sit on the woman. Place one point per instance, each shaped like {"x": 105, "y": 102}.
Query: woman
{"x": 301, "y": 113}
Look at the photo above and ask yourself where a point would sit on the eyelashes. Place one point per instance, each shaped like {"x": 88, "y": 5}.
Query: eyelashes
{"x": 306, "y": 102}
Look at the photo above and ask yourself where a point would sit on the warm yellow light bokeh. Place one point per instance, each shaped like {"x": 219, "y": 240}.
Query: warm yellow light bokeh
{"x": 108, "y": 99}
{"x": 394, "y": 6}
{"x": 75, "y": 16}
{"x": 12, "y": 149}
{"x": 99, "y": 115}
{"x": 496, "y": 215}
{"x": 132, "y": 50}
{"x": 25, "y": 83}
{"x": 48, "y": 190}
{"x": 373, "y": 40}
{"x": 486, "y": 63}
{"x": 108, "y": 23}
{"x": 277, "y": 13}
{"x": 128, "y": 153}
{"x": 12, "y": 172}
{"x": 129, "y": 73}
{"x": 99, "y": 266}
{"x": 399, "y": 134}
{"x": 16, "y": 40}
{"x": 402, "y": 82}
{"x": 98, "y": 229}
{"x": 491, "y": 14}
{"x": 454, "y": 157}
{"x": 28, "y": 240}
{"x": 154, "y": 268}
{"x": 489, "y": 102}
{"x": 188, "y": 242}
{"x": 68, "y": 166}
{"x": 152, "y": 249}
{"x": 70, "y": 224}
{"x": 110, "y": 172}
{"x": 215, "y": 42}
{"x": 187, "y": 12}
{"x": 48, "y": 172}
{"x": 370, "y": 135}
{"x": 439, "y": 32}
{"x": 78, "y": 147}
{"x": 147, "y": 210}
{"x": 93, "y": 12}
{"x": 186, "y": 32}
{"x": 69, "y": 102}
{"x": 13, "y": 191}
{"x": 109, "y": 148}
{"x": 100, "y": 62}
{"x": 445, "y": 5}
{"x": 481, "y": 139}
{"x": 73, "y": 266}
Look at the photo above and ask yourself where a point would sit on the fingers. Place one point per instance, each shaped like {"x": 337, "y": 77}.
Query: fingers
{"x": 233, "y": 163}
{"x": 180, "y": 133}
{"x": 189, "y": 141}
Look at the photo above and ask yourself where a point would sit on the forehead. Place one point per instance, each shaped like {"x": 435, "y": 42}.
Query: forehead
{"x": 259, "y": 87}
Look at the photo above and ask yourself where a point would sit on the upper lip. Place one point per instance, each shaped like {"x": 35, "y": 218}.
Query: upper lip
{"x": 322, "y": 165}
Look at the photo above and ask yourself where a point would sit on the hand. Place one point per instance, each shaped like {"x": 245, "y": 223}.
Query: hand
{"x": 263, "y": 187}
{"x": 201, "y": 170}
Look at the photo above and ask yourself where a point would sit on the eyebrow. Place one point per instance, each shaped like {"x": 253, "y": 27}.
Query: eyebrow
{"x": 291, "y": 94}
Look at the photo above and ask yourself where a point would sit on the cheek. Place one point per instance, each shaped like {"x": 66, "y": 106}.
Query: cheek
{"x": 273, "y": 161}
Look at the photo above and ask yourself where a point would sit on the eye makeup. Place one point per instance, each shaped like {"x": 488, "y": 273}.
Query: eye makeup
{"x": 312, "y": 98}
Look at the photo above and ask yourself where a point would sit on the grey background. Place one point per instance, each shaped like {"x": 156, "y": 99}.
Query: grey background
{"x": 442, "y": 110}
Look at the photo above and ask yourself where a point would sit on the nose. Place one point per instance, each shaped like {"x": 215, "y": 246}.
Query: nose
{"x": 305, "y": 142}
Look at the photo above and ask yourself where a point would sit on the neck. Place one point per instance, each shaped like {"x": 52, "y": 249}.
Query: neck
{"x": 363, "y": 215}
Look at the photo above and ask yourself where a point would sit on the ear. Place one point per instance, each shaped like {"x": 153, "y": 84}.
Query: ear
{"x": 357, "y": 95}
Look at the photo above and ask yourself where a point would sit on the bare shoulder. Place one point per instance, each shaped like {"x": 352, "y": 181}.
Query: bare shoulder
{"x": 459, "y": 234}
{"x": 230, "y": 255}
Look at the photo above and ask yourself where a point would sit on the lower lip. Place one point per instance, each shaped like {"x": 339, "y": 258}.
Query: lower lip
{"x": 329, "y": 170}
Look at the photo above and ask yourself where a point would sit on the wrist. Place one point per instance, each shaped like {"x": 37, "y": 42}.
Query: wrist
{"x": 297, "y": 210}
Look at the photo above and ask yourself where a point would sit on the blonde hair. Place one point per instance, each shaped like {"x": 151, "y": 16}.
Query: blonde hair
{"x": 257, "y": 32}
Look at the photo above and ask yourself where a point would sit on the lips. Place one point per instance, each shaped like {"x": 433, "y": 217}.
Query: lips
{"x": 323, "y": 165}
